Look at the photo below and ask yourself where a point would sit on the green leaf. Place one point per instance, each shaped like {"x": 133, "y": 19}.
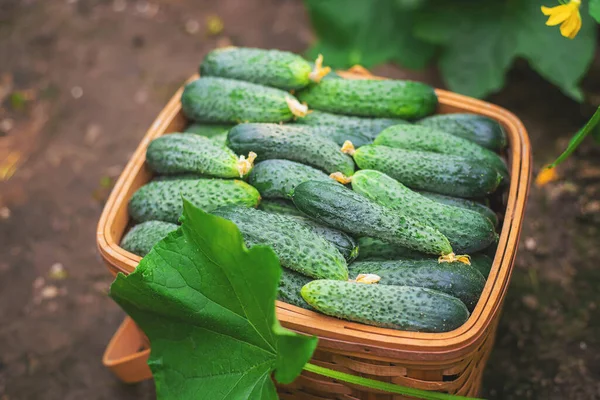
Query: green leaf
{"x": 595, "y": 9}
{"x": 560, "y": 60}
{"x": 367, "y": 33}
{"x": 481, "y": 40}
{"x": 481, "y": 50}
{"x": 207, "y": 305}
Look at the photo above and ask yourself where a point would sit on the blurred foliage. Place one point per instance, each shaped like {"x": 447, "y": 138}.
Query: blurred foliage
{"x": 473, "y": 42}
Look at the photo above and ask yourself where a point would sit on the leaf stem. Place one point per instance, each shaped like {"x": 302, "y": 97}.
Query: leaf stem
{"x": 383, "y": 386}
{"x": 578, "y": 138}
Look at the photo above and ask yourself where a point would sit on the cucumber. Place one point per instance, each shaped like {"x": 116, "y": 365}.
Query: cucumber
{"x": 359, "y": 131}
{"x": 161, "y": 200}
{"x": 229, "y": 101}
{"x": 216, "y": 133}
{"x": 277, "y": 178}
{"x": 178, "y": 153}
{"x": 482, "y": 130}
{"x": 371, "y": 98}
{"x": 208, "y": 130}
{"x": 439, "y": 173}
{"x": 275, "y": 68}
{"x": 417, "y": 137}
{"x": 142, "y": 237}
{"x": 339, "y": 207}
{"x": 299, "y": 248}
{"x": 456, "y": 279}
{"x": 482, "y": 263}
{"x": 492, "y": 248}
{"x": 290, "y": 284}
{"x": 271, "y": 141}
{"x": 464, "y": 203}
{"x": 345, "y": 244}
{"x": 375, "y": 249}
{"x": 397, "y": 307}
{"x": 279, "y": 206}
{"x": 466, "y": 230}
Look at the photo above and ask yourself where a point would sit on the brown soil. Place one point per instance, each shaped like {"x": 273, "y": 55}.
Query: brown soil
{"x": 90, "y": 75}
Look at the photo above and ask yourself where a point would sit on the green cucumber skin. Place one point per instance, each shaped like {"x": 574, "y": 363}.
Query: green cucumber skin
{"x": 223, "y": 100}
{"x": 491, "y": 250}
{"x": 298, "y": 247}
{"x": 215, "y": 132}
{"x": 178, "y": 153}
{"x": 358, "y": 130}
{"x": 280, "y": 69}
{"x": 290, "y": 285}
{"x": 397, "y": 307}
{"x": 277, "y": 178}
{"x": 375, "y": 249}
{"x": 345, "y": 244}
{"x": 142, "y": 237}
{"x": 280, "y": 206}
{"x": 208, "y": 130}
{"x": 479, "y": 129}
{"x": 466, "y": 230}
{"x": 483, "y": 264}
{"x": 273, "y": 141}
{"x": 439, "y": 173}
{"x": 341, "y": 208}
{"x": 423, "y": 138}
{"x": 371, "y": 98}
{"x": 456, "y": 279}
{"x": 161, "y": 200}
{"x": 464, "y": 203}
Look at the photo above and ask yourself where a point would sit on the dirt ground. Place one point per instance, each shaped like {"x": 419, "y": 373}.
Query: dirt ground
{"x": 81, "y": 81}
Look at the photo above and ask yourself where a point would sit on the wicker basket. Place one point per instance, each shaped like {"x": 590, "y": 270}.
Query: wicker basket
{"x": 450, "y": 362}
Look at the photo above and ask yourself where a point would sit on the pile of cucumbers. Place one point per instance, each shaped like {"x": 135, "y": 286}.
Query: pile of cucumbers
{"x": 374, "y": 206}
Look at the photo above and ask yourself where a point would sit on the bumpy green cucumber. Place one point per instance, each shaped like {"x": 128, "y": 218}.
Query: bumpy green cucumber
{"x": 208, "y": 130}
{"x": 270, "y": 141}
{"x": 439, "y": 173}
{"x": 463, "y": 203}
{"x": 161, "y": 200}
{"x": 424, "y": 138}
{"x": 178, "y": 153}
{"x": 339, "y": 207}
{"x": 482, "y": 263}
{"x": 297, "y": 246}
{"x": 375, "y": 249}
{"x": 398, "y": 307}
{"x": 492, "y": 248}
{"x": 371, "y": 98}
{"x": 215, "y": 132}
{"x": 345, "y": 244}
{"x": 279, "y": 206}
{"x": 479, "y": 129}
{"x": 466, "y": 230}
{"x": 223, "y": 100}
{"x": 141, "y": 238}
{"x": 275, "y": 68}
{"x": 456, "y": 279}
{"x": 290, "y": 285}
{"x": 339, "y": 128}
{"x": 277, "y": 178}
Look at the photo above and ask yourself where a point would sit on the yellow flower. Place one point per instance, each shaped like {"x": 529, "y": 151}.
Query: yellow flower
{"x": 567, "y": 15}
{"x": 546, "y": 175}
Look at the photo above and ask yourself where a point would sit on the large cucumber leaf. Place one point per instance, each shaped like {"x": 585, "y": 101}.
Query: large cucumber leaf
{"x": 367, "y": 33}
{"x": 207, "y": 305}
{"x": 478, "y": 41}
